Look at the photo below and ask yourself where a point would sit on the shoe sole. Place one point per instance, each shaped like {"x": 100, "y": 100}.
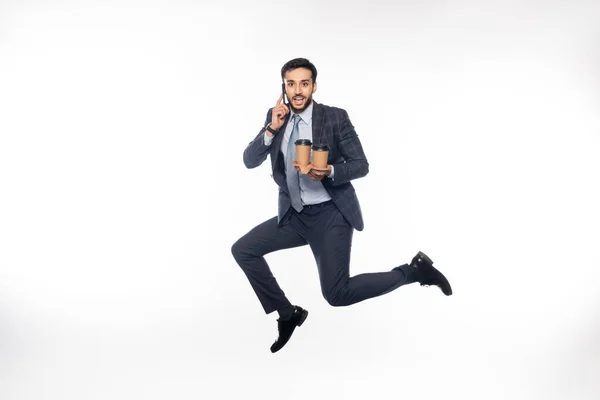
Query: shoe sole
{"x": 447, "y": 285}
{"x": 303, "y": 318}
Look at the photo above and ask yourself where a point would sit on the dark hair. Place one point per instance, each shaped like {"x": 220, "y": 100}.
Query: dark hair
{"x": 299, "y": 63}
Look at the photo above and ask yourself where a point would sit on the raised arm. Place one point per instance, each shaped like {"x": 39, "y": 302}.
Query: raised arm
{"x": 256, "y": 152}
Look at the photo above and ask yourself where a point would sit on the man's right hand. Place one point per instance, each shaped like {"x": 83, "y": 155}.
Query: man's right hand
{"x": 279, "y": 113}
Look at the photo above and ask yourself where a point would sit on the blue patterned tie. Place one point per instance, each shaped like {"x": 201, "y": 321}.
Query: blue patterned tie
{"x": 291, "y": 173}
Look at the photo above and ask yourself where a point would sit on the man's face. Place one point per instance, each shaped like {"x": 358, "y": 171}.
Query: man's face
{"x": 299, "y": 88}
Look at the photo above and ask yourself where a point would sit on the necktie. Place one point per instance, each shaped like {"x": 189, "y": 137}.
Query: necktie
{"x": 292, "y": 176}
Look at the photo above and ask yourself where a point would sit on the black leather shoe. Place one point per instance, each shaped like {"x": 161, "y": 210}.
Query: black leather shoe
{"x": 428, "y": 275}
{"x": 286, "y": 328}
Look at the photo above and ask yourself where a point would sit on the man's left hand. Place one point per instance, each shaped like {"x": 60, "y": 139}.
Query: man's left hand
{"x": 316, "y": 175}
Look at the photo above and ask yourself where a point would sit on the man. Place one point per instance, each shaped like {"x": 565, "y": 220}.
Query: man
{"x": 319, "y": 208}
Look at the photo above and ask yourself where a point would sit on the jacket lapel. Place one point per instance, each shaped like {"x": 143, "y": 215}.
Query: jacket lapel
{"x": 318, "y": 117}
{"x": 275, "y": 150}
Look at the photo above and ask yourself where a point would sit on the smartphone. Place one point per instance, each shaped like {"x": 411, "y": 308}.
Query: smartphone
{"x": 284, "y": 95}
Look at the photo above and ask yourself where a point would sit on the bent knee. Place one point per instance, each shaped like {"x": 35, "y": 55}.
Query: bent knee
{"x": 237, "y": 249}
{"x": 334, "y": 299}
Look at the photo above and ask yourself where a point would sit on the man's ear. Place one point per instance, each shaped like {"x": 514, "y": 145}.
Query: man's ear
{"x": 314, "y": 87}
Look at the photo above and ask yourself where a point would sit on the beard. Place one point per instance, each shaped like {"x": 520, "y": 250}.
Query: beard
{"x": 299, "y": 110}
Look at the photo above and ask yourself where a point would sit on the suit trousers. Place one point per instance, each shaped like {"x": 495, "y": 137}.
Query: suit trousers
{"x": 329, "y": 235}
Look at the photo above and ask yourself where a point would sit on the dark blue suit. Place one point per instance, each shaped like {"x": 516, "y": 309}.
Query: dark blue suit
{"x": 327, "y": 227}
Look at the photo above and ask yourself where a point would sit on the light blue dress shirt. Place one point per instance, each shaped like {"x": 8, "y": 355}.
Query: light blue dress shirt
{"x": 311, "y": 192}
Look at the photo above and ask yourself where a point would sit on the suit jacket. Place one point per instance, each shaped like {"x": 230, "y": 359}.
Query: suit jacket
{"x": 331, "y": 126}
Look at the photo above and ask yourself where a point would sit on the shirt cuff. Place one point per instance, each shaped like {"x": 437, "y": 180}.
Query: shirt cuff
{"x": 268, "y": 139}
{"x": 331, "y": 174}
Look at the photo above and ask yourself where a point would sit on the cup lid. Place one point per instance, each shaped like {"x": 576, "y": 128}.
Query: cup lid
{"x": 320, "y": 147}
{"x": 303, "y": 142}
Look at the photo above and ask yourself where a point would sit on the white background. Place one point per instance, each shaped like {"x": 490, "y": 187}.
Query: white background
{"x": 122, "y": 189}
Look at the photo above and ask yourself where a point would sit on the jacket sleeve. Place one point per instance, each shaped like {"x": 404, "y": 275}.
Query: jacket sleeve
{"x": 256, "y": 152}
{"x": 355, "y": 163}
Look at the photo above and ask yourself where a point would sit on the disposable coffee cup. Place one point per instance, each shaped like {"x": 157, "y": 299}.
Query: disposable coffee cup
{"x": 319, "y": 155}
{"x": 303, "y": 151}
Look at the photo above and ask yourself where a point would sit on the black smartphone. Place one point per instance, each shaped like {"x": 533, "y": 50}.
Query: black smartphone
{"x": 283, "y": 91}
